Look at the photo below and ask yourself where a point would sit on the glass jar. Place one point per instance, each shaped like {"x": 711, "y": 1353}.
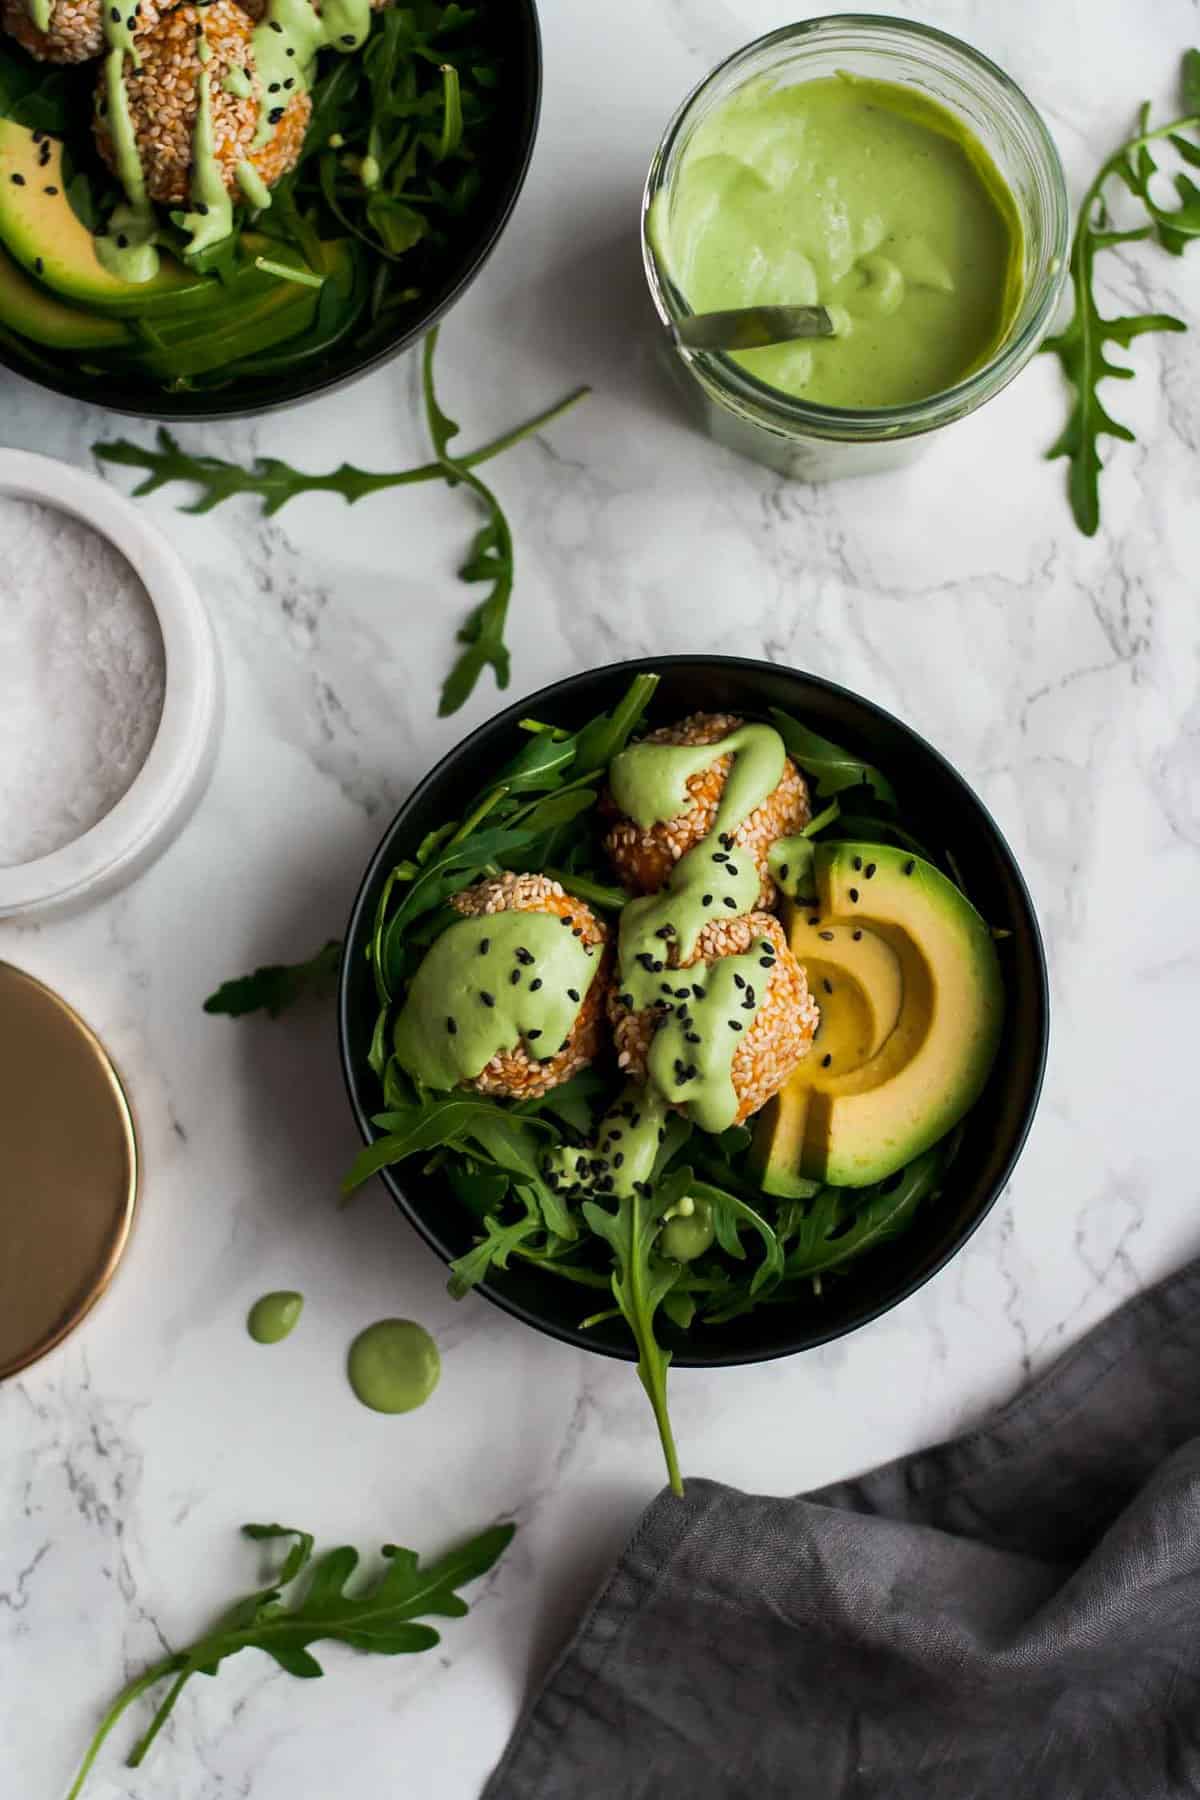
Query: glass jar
{"x": 819, "y": 443}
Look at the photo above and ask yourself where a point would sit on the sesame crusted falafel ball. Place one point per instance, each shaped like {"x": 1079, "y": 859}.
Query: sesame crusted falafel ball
{"x": 76, "y": 29}
{"x": 778, "y": 1037}
{"x": 645, "y": 857}
{"x": 164, "y": 99}
{"x": 514, "y": 1073}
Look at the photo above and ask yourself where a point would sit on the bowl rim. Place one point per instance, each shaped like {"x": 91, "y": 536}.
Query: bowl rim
{"x": 508, "y": 718}
{"x": 132, "y": 405}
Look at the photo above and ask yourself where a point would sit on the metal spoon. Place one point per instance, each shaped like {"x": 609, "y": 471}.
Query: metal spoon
{"x": 750, "y": 327}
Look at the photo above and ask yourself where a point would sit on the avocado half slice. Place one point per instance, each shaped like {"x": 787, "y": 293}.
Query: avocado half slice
{"x": 912, "y": 1003}
{"x": 42, "y": 318}
{"x": 41, "y": 232}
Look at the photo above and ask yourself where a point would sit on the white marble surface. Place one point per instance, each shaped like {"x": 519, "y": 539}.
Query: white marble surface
{"x": 1060, "y": 675}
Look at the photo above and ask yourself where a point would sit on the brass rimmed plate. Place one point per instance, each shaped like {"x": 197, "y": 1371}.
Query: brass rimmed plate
{"x": 68, "y": 1169}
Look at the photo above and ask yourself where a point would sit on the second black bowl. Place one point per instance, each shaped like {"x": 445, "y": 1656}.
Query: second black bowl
{"x": 945, "y": 812}
{"x": 513, "y": 26}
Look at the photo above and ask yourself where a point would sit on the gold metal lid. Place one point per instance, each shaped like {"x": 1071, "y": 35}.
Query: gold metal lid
{"x": 68, "y": 1169}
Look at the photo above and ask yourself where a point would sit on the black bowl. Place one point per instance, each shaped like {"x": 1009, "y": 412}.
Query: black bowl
{"x": 944, "y": 811}
{"x": 515, "y": 23}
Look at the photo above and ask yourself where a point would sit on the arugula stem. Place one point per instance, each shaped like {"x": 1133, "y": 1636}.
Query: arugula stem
{"x": 160, "y": 1718}
{"x": 652, "y": 1364}
{"x": 123, "y": 1701}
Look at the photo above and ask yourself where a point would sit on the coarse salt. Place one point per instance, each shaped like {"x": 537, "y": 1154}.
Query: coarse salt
{"x": 82, "y": 675}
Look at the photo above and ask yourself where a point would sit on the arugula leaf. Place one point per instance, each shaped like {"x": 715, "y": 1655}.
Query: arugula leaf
{"x": 641, "y": 1281}
{"x": 496, "y": 1246}
{"x": 1081, "y": 346}
{"x": 842, "y": 1223}
{"x": 380, "y": 1617}
{"x": 278, "y": 986}
{"x": 32, "y": 94}
{"x": 276, "y": 482}
{"x": 832, "y": 769}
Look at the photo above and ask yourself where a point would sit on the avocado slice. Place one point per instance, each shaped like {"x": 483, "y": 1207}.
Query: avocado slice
{"x": 908, "y": 1033}
{"x": 43, "y": 319}
{"x": 41, "y": 232}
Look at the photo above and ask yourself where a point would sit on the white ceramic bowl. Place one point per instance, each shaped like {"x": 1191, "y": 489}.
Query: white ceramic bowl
{"x": 175, "y": 773}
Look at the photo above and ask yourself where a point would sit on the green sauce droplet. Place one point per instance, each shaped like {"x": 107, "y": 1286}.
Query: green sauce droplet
{"x": 394, "y": 1366}
{"x": 272, "y": 1318}
{"x": 689, "y": 1234}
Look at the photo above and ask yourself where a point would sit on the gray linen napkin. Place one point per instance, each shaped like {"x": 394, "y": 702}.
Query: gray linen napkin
{"x": 1012, "y": 1616}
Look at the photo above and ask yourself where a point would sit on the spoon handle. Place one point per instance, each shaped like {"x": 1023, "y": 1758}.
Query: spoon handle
{"x": 751, "y": 327}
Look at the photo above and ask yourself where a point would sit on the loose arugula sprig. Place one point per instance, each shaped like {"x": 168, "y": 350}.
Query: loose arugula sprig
{"x": 380, "y": 1617}
{"x": 276, "y": 986}
{"x": 1080, "y": 348}
{"x": 276, "y": 482}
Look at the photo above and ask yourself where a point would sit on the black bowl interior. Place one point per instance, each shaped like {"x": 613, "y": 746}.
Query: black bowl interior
{"x": 513, "y": 25}
{"x": 945, "y": 813}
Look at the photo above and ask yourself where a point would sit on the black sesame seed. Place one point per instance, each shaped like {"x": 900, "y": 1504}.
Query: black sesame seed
{"x": 665, "y": 931}
{"x": 697, "y": 991}
{"x": 814, "y": 921}
{"x": 825, "y": 1061}
{"x": 619, "y": 1159}
{"x": 535, "y": 984}
{"x": 291, "y": 52}
{"x": 290, "y": 82}
{"x": 706, "y": 900}
{"x": 735, "y": 1024}
{"x": 615, "y": 1135}
{"x": 827, "y": 935}
{"x": 683, "y": 993}
{"x": 858, "y": 862}
{"x": 909, "y": 866}
{"x": 514, "y": 978}
{"x": 656, "y": 968}
{"x": 665, "y": 987}
{"x": 114, "y": 13}
{"x": 719, "y": 856}
{"x": 39, "y": 137}
{"x": 534, "y": 1033}
{"x": 566, "y": 919}
{"x": 827, "y": 984}
{"x": 739, "y": 981}
{"x": 783, "y": 871}
{"x": 691, "y": 1037}
{"x": 485, "y": 945}
{"x": 50, "y": 190}
{"x": 750, "y": 997}
{"x": 451, "y": 1027}
{"x": 488, "y": 999}
{"x": 38, "y": 265}
{"x": 201, "y": 209}
{"x": 273, "y": 88}
{"x": 730, "y": 901}
{"x": 122, "y": 241}
{"x": 523, "y": 955}
{"x": 856, "y": 935}
{"x": 348, "y": 37}
{"x": 727, "y": 840}
{"x": 276, "y": 26}
{"x": 578, "y": 931}
{"x": 624, "y": 999}
{"x": 732, "y": 872}
{"x": 573, "y": 994}
{"x": 274, "y": 116}
{"x": 766, "y": 962}
{"x": 854, "y": 896}
{"x": 869, "y": 870}
{"x": 18, "y": 181}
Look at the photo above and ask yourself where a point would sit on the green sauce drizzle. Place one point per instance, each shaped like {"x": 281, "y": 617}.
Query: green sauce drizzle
{"x": 39, "y": 12}
{"x": 273, "y": 1317}
{"x": 253, "y": 186}
{"x": 488, "y": 984}
{"x": 285, "y": 50}
{"x": 128, "y": 249}
{"x": 239, "y": 84}
{"x": 715, "y": 879}
{"x": 790, "y": 861}
{"x": 211, "y": 217}
{"x": 688, "y": 1230}
{"x": 394, "y": 1366}
{"x": 627, "y": 1145}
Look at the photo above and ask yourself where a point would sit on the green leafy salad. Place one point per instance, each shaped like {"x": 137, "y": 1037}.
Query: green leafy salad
{"x": 193, "y": 196}
{"x": 681, "y": 1014}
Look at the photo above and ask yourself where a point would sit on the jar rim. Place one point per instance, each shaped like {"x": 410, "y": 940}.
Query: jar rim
{"x": 734, "y": 383}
